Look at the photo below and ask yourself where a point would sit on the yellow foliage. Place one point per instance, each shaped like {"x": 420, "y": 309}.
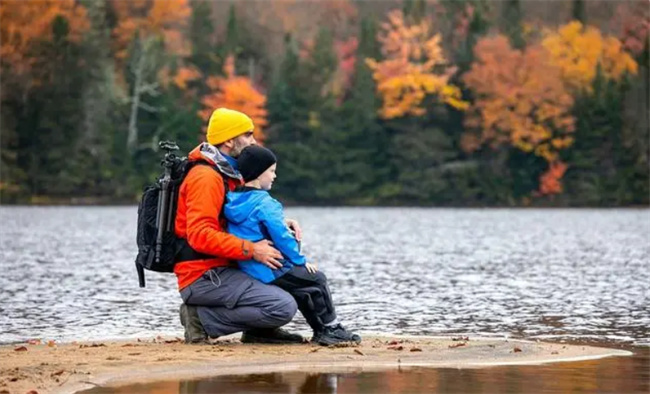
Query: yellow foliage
{"x": 578, "y": 51}
{"x": 410, "y": 71}
{"x": 520, "y": 100}
{"x": 238, "y": 93}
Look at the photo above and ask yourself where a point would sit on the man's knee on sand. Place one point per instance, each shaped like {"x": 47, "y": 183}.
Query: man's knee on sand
{"x": 283, "y": 307}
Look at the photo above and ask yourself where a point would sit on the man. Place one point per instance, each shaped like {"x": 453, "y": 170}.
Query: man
{"x": 219, "y": 299}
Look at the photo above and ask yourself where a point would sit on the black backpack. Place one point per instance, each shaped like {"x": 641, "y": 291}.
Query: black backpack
{"x": 159, "y": 249}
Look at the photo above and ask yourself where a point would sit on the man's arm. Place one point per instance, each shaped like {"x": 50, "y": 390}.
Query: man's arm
{"x": 204, "y": 200}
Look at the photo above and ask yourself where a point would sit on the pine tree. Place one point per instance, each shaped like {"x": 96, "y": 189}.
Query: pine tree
{"x": 204, "y": 51}
{"x": 579, "y": 11}
{"x": 288, "y": 134}
{"x": 512, "y": 19}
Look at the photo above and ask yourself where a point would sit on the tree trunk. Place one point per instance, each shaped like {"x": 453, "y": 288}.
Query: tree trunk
{"x": 132, "y": 139}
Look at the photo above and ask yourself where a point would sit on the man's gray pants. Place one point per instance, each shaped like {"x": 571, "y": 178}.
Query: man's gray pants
{"x": 229, "y": 301}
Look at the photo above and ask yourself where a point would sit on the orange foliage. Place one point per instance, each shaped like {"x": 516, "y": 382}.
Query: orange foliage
{"x": 633, "y": 24}
{"x": 236, "y": 93}
{"x": 414, "y": 66}
{"x": 578, "y": 51}
{"x": 164, "y": 18}
{"x": 550, "y": 181}
{"x": 185, "y": 75}
{"x": 346, "y": 54}
{"x": 520, "y": 100}
{"x": 26, "y": 22}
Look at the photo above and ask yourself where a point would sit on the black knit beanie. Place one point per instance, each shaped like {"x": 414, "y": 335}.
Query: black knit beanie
{"x": 253, "y": 161}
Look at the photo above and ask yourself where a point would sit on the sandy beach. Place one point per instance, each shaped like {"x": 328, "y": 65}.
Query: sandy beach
{"x": 48, "y": 367}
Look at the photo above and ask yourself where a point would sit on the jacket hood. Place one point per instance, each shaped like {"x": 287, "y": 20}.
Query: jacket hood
{"x": 241, "y": 204}
{"x": 212, "y": 155}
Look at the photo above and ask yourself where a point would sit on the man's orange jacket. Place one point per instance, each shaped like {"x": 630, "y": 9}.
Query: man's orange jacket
{"x": 199, "y": 220}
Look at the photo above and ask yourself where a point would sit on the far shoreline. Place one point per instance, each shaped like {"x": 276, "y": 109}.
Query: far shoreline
{"x": 290, "y": 204}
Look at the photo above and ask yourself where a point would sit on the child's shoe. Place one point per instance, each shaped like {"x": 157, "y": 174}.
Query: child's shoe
{"x": 334, "y": 335}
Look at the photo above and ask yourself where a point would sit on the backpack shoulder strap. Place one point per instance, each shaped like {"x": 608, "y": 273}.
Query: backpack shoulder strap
{"x": 223, "y": 176}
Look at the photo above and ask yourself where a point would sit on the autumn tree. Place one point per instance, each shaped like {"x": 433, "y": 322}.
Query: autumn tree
{"x": 520, "y": 101}
{"x": 581, "y": 51}
{"x": 238, "y": 93}
{"x": 468, "y": 21}
{"x": 604, "y": 160}
{"x": 147, "y": 33}
{"x": 42, "y": 79}
{"x": 411, "y": 68}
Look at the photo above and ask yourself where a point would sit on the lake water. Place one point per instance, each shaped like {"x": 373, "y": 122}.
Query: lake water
{"x": 68, "y": 273}
{"x": 617, "y": 375}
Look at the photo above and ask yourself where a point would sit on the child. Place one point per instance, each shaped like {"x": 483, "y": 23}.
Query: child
{"x": 254, "y": 215}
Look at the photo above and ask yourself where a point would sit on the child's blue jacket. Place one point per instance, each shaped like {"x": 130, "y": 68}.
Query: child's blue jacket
{"x": 254, "y": 215}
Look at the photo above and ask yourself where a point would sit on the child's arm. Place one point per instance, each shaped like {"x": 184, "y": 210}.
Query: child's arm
{"x": 272, "y": 217}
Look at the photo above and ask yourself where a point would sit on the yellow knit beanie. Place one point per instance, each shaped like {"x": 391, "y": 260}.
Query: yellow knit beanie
{"x": 226, "y": 124}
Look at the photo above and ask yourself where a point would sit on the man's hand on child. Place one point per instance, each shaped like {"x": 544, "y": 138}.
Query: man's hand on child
{"x": 311, "y": 268}
{"x": 293, "y": 224}
{"x": 265, "y": 253}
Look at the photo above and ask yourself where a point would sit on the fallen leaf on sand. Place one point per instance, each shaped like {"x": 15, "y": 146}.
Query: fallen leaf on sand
{"x": 516, "y": 350}
{"x": 57, "y": 373}
{"x": 396, "y": 347}
{"x": 393, "y": 343}
{"x": 455, "y": 345}
{"x": 314, "y": 350}
{"x": 32, "y": 392}
{"x": 460, "y": 339}
{"x": 20, "y": 349}
{"x": 357, "y": 351}
{"x": 134, "y": 354}
{"x": 416, "y": 349}
{"x": 555, "y": 352}
{"x": 92, "y": 345}
{"x": 112, "y": 358}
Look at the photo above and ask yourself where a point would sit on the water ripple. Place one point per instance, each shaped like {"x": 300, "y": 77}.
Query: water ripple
{"x": 68, "y": 273}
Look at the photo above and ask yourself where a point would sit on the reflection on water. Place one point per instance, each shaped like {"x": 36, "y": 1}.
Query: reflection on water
{"x": 616, "y": 375}
{"x": 68, "y": 273}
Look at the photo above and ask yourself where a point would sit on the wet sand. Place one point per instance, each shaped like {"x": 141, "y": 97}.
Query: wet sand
{"x": 66, "y": 368}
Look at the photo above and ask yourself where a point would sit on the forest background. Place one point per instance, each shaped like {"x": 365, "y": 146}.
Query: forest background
{"x": 441, "y": 103}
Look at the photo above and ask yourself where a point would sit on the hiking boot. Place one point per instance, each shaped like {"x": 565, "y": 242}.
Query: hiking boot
{"x": 271, "y": 335}
{"x": 194, "y": 332}
{"x": 335, "y": 335}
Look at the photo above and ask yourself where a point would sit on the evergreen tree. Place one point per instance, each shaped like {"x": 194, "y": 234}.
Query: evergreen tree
{"x": 204, "y": 51}
{"x": 604, "y": 167}
{"x": 578, "y": 11}
{"x": 512, "y": 20}
{"x": 289, "y": 134}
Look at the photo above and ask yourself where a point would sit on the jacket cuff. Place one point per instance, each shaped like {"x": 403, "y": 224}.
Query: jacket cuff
{"x": 247, "y": 249}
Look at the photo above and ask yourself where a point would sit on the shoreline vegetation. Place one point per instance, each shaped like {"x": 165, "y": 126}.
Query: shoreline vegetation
{"x": 49, "y": 367}
{"x": 42, "y": 201}
{"x": 398, "y": 102}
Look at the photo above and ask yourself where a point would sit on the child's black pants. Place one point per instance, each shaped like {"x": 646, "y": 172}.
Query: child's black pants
{"x": 312, "y": 294}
